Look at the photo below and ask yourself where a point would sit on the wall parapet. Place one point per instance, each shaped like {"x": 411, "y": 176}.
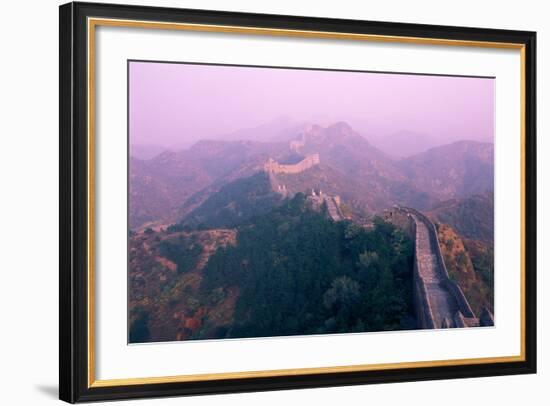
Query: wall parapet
{"x": 423, "y": 307}
{"x": 408, "y": 220}
{"x": 451, "y": 285}
{"x": 309, "y": 161}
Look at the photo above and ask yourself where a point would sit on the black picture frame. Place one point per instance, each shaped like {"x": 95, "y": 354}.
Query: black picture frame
{"x": 74, "y": 199}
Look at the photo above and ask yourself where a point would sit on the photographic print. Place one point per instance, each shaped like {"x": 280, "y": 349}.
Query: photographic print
{"x": 268, "y": 201}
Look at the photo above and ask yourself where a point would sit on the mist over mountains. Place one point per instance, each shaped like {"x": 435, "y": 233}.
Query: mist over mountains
{"x": 261, "y": 200}
{"x": 171, "y": 185}
{"x": 283, "y": 236}
{"x": 398, "y": 144}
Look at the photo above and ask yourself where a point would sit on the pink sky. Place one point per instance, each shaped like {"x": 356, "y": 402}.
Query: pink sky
{"x": 178, "y": 104}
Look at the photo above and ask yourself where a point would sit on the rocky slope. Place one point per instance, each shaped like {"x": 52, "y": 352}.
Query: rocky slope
{"x": 461, "y": 257}
{"x": 452, "y": 171}
{"x": 165, "y": 273}
{"x": 471, "y": 217}
{"x": 160, "y": 186}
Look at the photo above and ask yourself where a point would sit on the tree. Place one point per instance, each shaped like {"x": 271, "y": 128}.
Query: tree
{"x": 367, "y": 258}
{"x": 342, "y": 300}
{"x": 298, "y": 272}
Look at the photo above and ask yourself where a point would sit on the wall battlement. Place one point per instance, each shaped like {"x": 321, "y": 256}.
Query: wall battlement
{"x": 297, "y": 144}
{"x": 317, "y": 199}
{"x": 309, "y": 161}
{"x": 439, "y": 301}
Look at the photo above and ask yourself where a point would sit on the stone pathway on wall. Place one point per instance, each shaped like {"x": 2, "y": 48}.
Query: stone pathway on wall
{"x": 442, "y": 303}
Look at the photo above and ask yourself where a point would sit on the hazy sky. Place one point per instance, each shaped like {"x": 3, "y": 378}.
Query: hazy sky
{"x": 178, "y": 104}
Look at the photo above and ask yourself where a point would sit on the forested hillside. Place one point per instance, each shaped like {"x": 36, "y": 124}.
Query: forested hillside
{"x": 298, "y": 272}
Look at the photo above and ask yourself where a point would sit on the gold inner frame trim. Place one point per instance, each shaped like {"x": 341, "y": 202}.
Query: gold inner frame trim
{"x": 94, "y": 22}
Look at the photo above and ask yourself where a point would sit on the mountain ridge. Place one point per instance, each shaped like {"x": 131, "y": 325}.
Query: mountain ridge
{"x": 347, "y": 164}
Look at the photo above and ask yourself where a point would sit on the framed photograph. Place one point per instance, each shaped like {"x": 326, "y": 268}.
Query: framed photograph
{"x": 256, "y": 202}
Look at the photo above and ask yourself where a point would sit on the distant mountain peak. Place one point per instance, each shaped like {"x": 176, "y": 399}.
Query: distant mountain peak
{"x": 341, "y": 127}
{"x": 316, "y": 133}
{"x": 146, "y": 151}
{"x": 312, "y": 130}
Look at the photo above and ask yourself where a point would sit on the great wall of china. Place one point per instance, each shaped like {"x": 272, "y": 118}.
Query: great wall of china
{"x": 315, "y": 198}
{"x": 309, "y": 161}
{"x": 439, "y": 301}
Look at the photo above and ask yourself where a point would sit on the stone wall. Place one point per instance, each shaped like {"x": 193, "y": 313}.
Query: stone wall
{"x": 423, "y": 309}
{"x": 424, "y": 313}
{"x": 277, "y": 186}
{"x": 297, "y": 144}
{"x": 306, "y": 163}
{"x": 401, "y": 219}
{"x": 316, "y": 199}
{"x": 451, "y": 286}
{"x": 407, "y": 219}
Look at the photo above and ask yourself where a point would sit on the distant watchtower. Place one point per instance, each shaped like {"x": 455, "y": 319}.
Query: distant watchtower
{"x": 309, "y": 161}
